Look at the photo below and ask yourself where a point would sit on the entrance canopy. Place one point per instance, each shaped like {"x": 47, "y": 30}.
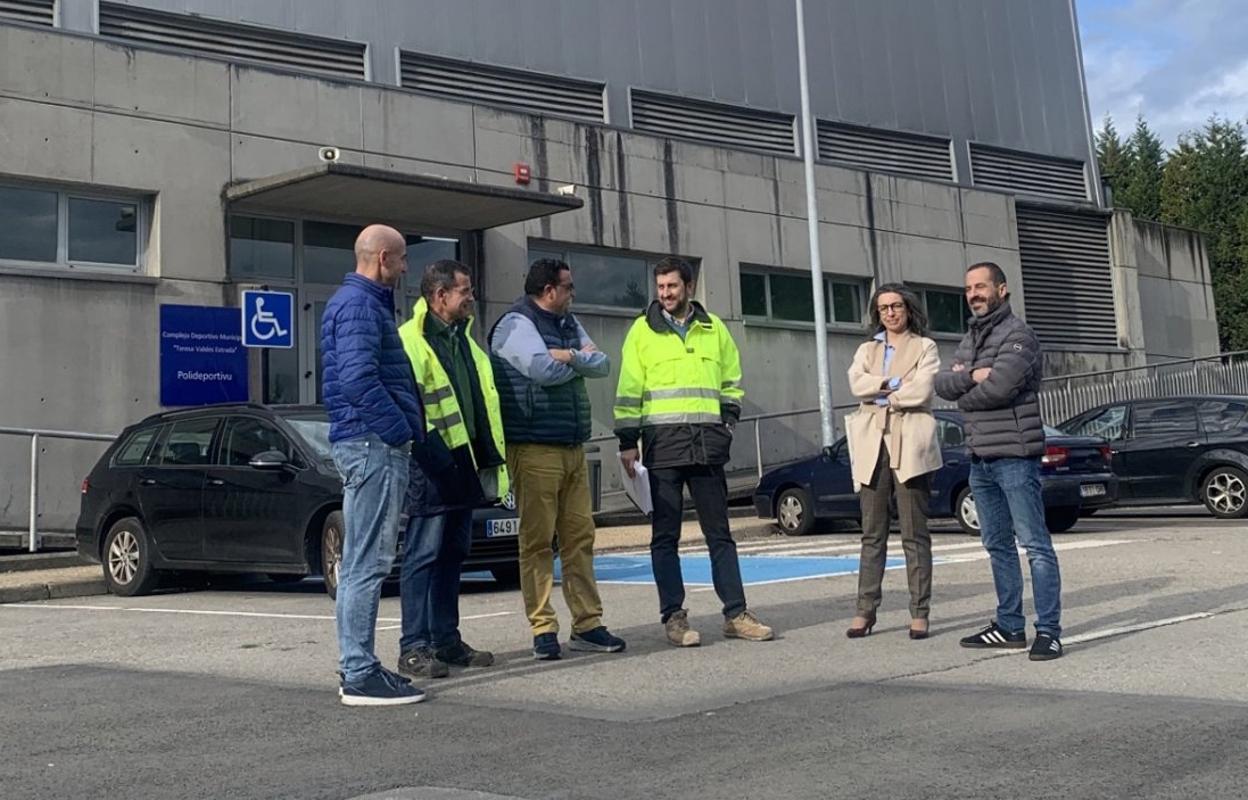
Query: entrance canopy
{"x": 404, "y": 200}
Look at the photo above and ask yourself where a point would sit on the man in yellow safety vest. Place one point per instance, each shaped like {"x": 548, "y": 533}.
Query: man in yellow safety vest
{"x": 680, "y": 394}
{"x": 462, "y": 466}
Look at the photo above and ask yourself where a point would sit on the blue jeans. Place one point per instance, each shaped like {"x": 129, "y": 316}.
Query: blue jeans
{"x": 1008, "y": 498}
{"x": 434, "y": 550}
{"x": 374, "y": 477}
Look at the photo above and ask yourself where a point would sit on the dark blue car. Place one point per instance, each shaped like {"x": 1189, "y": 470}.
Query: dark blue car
{"x": 1076, "y": 471}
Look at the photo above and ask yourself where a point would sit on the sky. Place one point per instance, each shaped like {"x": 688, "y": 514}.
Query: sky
{"x": 1174, "y": 61}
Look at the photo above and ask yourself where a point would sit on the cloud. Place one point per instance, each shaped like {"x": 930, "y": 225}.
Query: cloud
{"x": 1175, "y": 61}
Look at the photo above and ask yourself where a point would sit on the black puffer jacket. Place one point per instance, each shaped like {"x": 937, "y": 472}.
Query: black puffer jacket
{"x": 1002, "y": 413}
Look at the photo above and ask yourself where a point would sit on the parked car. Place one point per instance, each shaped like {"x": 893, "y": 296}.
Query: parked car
{"x": 1176, "y": 450}
{"x": 240, "y": 488}
{"x": 1075, "y": 471}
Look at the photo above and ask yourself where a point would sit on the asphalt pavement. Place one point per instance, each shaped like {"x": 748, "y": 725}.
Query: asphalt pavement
{"x": 230, "y": 692}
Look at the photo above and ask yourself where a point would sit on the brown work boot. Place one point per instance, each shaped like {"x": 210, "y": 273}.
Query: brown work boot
{"x": 746, "y": 626}
{"x": 678, "y": 631}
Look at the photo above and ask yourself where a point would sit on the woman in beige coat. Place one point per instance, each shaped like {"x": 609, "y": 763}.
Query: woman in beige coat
{"x": 893, "y": 449}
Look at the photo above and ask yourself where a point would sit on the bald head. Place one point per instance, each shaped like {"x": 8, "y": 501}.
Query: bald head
{"x": 381, "y": 254}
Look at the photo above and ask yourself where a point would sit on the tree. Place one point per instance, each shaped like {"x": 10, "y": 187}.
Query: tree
{"x": 1144, "y": 158}
{"x": 1205, "y": 186}
{"x": 1109, "y": 154}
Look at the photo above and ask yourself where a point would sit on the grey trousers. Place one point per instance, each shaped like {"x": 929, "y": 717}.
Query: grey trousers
{"x": 916, "y": 540}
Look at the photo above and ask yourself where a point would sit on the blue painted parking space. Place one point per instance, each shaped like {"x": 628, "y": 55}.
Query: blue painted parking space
{"x": 754, "y": 569}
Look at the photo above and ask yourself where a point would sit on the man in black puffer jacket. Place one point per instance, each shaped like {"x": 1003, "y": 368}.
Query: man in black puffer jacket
{"x": 994, "y": 378}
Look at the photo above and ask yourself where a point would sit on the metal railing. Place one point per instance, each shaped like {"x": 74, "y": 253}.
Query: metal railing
{"x": 1066, "y": 396}
{"x": 36, "y": 435}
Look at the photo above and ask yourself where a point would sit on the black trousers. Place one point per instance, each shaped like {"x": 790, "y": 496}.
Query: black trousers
{"x": 709, "y": 490}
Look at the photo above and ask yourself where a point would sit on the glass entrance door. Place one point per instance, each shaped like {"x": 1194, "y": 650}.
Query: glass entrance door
{"x": 313, "y": 308}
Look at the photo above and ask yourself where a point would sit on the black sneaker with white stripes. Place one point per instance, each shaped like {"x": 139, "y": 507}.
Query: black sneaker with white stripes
{"x": 994, "y": 637}
{"x": 1045, "y": 648}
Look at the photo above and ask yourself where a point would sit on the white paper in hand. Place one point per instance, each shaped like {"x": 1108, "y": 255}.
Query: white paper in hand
{"x": 638, "y": 488}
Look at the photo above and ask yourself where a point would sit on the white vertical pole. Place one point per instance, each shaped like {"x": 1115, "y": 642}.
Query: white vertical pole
{"x": 33, "y": 544}
{"x": 812, "y": 224}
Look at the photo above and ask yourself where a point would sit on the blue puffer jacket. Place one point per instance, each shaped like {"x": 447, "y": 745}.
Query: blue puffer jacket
{"x": 368, "y": 385}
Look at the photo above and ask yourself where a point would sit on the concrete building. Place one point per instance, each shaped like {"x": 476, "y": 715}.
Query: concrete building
{"x": 170, "y": 153}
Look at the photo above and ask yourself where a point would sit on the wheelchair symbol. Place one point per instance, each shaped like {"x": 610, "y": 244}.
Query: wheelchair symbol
{"x": 268, "y": 320}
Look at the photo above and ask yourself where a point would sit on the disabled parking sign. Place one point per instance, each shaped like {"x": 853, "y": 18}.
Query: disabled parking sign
{"x": 268, "y": 319}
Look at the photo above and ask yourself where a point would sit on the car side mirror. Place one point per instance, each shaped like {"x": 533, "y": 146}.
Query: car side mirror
{"x": 269, "y": 460}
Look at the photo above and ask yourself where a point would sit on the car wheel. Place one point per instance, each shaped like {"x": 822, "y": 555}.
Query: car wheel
{"x": 127, "y": 559}
{"x": 1060, "y": 520}
{"x": 331, "y": 552}
{"x": 1225, "y": 492}
{"x": 966, "y": 513}
{"x": 794, "y": 513}
{"x": 507, "y": 575}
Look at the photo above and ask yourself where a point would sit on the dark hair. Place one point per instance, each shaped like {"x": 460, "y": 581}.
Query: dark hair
{"x": 915, "y": 313}
{"x": 542, "y": 273}
{"x": 675, "y": 264}
{"x": 441, "y": 275}
{"x": 998, "y": 275}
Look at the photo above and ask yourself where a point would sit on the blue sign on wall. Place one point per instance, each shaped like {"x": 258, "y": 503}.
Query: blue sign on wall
{"x": 202, "y": 360}
{"x": 268, "y": 319}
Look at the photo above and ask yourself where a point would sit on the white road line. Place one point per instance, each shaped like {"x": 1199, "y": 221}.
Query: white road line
{"x": 206, "y": 613}
{"x": 1143, "y": 626}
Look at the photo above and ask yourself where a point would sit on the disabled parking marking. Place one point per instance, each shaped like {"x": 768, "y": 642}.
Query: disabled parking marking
{"x": 759, "y": 569}
{"x": 755, "y": 570}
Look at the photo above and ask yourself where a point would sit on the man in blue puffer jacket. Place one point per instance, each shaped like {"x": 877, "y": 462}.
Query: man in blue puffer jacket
{"x": 375, "y": 417}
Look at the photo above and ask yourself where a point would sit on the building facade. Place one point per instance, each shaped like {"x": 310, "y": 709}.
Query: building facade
{"x": 167, "y": 152}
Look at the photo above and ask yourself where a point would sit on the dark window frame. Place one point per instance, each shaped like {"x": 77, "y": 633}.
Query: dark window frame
{"x": 859, "y": 286}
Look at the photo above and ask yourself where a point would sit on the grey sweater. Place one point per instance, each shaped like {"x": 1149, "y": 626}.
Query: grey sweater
{"x": 1002, "y": 413}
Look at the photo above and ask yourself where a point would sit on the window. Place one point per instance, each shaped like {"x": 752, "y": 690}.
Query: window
{"x": 1223, "y": 416}
{"x": 45, "y": 225}
{"x": 950, "y": 433}
{"x": 328, "y": 251}
{"x": 946, "y": 310}
{"x": 610, "y": 278}
{"x": 248, "y": 437}
{"x": 1110, "y": 424}
{"x": 30, "y": 229}
{"x": 131, "y": 453}
{"x": 261, "y": 248}
{"x": 786, "y": 297}
{"x": 1159, "y": 420}
{"x": 189, "y": 443}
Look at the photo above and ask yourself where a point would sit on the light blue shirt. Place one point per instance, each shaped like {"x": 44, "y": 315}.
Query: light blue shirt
{"x": 518, "y": 342}
{"x": 889, "y": 350}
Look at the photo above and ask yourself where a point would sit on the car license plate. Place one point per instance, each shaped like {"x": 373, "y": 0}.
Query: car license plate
{"x": 1092, "y": 490}
{"x": 502, "y": 527}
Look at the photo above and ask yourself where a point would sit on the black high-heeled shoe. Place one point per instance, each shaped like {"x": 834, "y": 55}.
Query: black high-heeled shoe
{"x": 858, "y": 633}
{"x": 917, "y": 634}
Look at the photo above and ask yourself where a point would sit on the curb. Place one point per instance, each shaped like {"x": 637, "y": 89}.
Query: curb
{"x": 24, "y": 562}
{"x": 51, "y": 591}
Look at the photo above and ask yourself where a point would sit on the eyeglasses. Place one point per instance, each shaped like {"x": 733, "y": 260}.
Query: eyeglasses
{"x": 894, "y": 308}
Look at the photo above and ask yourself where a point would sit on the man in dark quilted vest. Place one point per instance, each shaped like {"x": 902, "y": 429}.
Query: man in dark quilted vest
{"x": 995, "y": 378}
{"x": 375, "y": 414}
{"x": 541, "y": 358}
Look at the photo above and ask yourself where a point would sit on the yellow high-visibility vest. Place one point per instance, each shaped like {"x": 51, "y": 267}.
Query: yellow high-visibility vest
{"x": 443, "y": 415}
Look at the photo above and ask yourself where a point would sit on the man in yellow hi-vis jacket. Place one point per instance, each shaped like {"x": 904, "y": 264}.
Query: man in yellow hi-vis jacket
{"x": 680, "y": 394}
{"x": 461, "y": 465}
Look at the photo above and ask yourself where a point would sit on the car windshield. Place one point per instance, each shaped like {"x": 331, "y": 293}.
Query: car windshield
{"x": 314, "y": 430}
{"x": 1049, "y": 430}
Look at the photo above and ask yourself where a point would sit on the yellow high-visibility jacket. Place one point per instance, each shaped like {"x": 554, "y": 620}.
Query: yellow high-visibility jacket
{"x": 681, "y": 398}
{"x": 443, "y": 414}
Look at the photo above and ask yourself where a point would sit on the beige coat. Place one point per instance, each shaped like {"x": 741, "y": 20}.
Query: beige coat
{"x": 905, "y": 425}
